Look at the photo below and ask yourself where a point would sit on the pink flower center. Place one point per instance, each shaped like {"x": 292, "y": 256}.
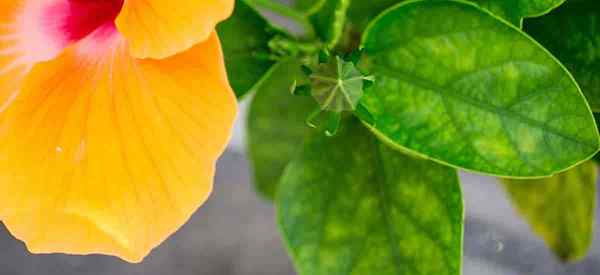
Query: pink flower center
{"x": 44, "y": 28}
{"x": 85, "y": 16}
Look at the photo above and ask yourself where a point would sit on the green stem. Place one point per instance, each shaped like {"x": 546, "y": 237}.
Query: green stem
{"x": 286, "y": 11}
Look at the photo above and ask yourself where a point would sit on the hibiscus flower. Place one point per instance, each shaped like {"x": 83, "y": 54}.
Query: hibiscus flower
{"x": 112, "y": 116}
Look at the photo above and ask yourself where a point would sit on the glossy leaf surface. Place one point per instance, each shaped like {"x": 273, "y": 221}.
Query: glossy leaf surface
{"x": 351, "y": 205}
{"x": 560, "y": 209}
{"x": 276, "y": 125}
{"x": 473, "y": 92}
{"x": 572, "y": 34}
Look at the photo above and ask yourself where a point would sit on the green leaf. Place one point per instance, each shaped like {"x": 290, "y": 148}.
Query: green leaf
{"x": 572, "y": 33}
{"x": 276, "y": 125}
{"x": 244, "y": 38}
{"x": 473, "y": 92}
{"x": 351, "y": 205}
{"x": 360, "y": 13}
{"x": 329, "y": 19}
{"x": 560, "y": 209}
{"x": 533, "y": 8}
{"x": 515, "y": 10}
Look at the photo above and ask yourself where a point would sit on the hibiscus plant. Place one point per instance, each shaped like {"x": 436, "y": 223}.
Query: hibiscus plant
{"x": 363, "y": 112}
{"x": 113, "y": 114}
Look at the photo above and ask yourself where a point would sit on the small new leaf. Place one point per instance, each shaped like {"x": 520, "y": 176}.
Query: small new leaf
{"x": 333, "y": 124}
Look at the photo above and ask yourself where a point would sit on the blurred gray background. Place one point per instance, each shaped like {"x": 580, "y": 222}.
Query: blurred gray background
{"x": 234, "y": 233}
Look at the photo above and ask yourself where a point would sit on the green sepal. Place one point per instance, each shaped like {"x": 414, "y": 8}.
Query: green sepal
{"x": 337, "y": 85}
{"x": 324, "y": 56}
{"x": 301, "y": 90}
{"x": 333, "y": 124}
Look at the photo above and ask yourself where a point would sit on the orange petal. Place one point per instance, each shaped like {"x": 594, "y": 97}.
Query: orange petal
{"x": 159, "y": 28}
{"x": 104, "y": 153}
{"x": 30, "y": 32}
{"x": 16, "y": 57}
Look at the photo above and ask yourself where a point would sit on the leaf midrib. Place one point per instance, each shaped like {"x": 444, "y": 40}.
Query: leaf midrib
{"x": 380, "y": 181}
{"x": 417, "y": 81}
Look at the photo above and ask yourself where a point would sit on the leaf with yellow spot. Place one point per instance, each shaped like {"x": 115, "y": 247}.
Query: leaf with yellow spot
{"x": 473, "y": 92}
{"x": 560, "y": 209}
{"x": 351, "y": 205}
